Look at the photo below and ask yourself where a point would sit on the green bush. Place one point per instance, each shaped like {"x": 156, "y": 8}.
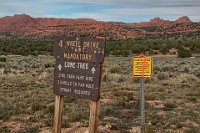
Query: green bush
{"x": 50, "y": 108}
{"x": 68, "y": 99}
{"x": 2, "y": 59}
{"x": 193, "y": 130}
{"x": 76, "y": 116}
{"x": 169, "y": 106}
{"x": 7, "y": 111}
{"x": 115, "y": 68}
{"x": 106, "y": 111}
{"x": 149, "y": 128}
{"x": 4, "y": 129}
{"x": 36, "y": 106}
{"x": 192, "y": 99}
{"x": 183, "y": 53}
{"x": 30, "y": 130}
{"x": 26, "y": 47}
{"x": 162, "y": 76}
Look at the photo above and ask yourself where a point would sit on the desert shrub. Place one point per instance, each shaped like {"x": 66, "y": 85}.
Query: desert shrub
{"x": 192, "y": 99}
{"x": 4, "y": 129}
{"x": 149, "y": 128}
{"x": 76, "y": 116}
{"x": 2, "y": 59}
{"x": 121, "y": 79}
{"x": 156, "y": 119}
{"x": 165, "y": 84}
{"x": 179, "y": 125}
{"x": 129, "y": 96}
{"x": 30, "y": 130}
{"x": 150, "y": 96}
{"x": 50, "y": 108}
{"x": 166, "y": 68}
{"x": 65, "y": 123}
{"x": 36, "y": 106}
{"x": 69, "y": 99}
{"x": 171, "y": 75}
{"x": 48, "y": 65}
{"x": 183, "y": 53}
{"x": 115, "y": 68}
{"x": 197, "y": 74}
{"x": 120, "y": 101}
{"x": 169, "y": 106}
{"x": 7, "y": 70}
{"x": 136, "y": 80}
{"x": 186, "y": 70}
{"x": 123, "y": 95}
{"x": 157, "y": 68}
{"x": 195, "y": 93}
{"x": 162, "y": 76}
{"x": 148, "y": 80}
{"x": 8, "y": 110}
{"x": 106, "y": 111}
{"x": 193, "y": 130}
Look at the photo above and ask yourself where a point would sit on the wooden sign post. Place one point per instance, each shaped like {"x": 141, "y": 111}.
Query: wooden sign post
{"x": 94, "y": 111}
{"x": 94, "y": 116}
{"x": 58, "y": 113}
{"x": 77, "y": 73}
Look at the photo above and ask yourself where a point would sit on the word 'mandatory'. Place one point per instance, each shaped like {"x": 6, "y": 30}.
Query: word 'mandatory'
{"x": 77, "y": 69}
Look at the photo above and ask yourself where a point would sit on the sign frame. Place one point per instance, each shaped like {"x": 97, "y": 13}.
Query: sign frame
{"x": 141, "y": 63}
{"x": 90, "y": 51}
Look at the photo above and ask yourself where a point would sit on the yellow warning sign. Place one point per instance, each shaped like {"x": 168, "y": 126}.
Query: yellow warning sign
{"x": 142, "y": 66}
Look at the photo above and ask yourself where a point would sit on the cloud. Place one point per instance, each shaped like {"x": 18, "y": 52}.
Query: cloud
{"x": 104, "y": 10}
{"x": 195, "y": 18}
{"x": 156, "y": 11}
{"x": 96, "y": 16}
{"x": 33, "y": 7}
{"x": 135, "y": 3}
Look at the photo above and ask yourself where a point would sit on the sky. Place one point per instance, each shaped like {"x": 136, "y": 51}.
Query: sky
{"x": 104, "y": 10}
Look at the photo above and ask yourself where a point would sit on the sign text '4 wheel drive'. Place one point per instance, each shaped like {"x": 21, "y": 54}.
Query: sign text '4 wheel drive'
{"x": 80, "y": 49}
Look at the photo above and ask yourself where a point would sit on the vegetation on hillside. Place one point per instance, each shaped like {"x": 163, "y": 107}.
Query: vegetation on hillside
{"x": 185, "y": 47}
{"x": 150, "y": 46}
{"x": 25, "y": 47}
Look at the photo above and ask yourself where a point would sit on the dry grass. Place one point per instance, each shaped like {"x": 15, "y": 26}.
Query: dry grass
{"x": 172, "y": 97}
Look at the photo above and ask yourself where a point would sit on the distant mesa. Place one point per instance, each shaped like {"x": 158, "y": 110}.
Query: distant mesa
{"x": 18, "y": 18}
{"x": 154, "y": 21}
{"x": 158, "y": 20}
{"x": 22, "y": 25}
{"x": 183, "y": 19}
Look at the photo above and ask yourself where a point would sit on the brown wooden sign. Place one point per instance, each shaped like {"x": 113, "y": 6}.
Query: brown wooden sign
{"x": 80, "y": 49}
{"x": 77, "y": 68}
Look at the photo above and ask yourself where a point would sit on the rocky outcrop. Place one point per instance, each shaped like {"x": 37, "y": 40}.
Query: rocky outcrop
{"x": 183, "y": 19}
